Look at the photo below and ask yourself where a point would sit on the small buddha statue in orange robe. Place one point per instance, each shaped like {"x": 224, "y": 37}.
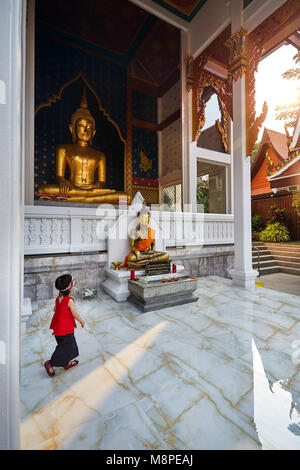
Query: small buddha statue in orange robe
{"x": 142, "y": 244}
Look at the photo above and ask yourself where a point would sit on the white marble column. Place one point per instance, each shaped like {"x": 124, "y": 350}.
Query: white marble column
{"x": 243, "y": 273}
{"x": 12, "y": 27}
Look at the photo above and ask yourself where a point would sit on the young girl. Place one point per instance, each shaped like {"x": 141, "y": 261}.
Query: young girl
{"x": 63, "y": 324}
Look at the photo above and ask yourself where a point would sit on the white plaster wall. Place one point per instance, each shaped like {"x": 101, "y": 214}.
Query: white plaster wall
{"x": 215, "y": 15}
{"x": 161, "y": 13}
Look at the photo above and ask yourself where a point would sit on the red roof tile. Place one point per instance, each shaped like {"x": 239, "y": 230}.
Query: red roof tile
{"x": 278, "y": 142}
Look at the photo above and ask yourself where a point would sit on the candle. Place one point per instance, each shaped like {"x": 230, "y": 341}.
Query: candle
{"x": 132, "y": 275}
{"x": 174, "y": 268}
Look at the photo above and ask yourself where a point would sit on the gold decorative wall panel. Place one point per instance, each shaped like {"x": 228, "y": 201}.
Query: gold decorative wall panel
{"x": 151, "y": 195}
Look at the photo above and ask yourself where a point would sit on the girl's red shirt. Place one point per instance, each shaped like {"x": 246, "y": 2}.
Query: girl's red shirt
{"x": 63, "y": 322}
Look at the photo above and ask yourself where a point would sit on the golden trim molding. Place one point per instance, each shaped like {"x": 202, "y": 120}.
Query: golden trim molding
{"x": 189, "y": 75}
{"x": 206, "y": 79}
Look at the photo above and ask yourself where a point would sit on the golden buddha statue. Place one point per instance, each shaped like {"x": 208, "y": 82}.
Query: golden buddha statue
{"x": 142, "y": 244}
{"x": 83, "y": 161}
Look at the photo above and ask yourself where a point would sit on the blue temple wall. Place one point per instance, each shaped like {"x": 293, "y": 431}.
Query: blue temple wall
{"x": 56, "y": 64}
{"x": 144, "y": 141}
{"x": 144, "y": 106}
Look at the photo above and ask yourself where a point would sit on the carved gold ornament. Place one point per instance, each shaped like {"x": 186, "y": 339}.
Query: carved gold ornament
{"x": 146, "y": 163}
{"x": 207, "y": 80}
{"x": 238, "y": 54}
{"x": 189, "y": 73}
{"x": 254, "y": 122}
{"x": 289, "y": 138}
{"x": 270, "y": 161}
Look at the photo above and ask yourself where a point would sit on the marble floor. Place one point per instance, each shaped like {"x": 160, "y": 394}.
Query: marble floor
{"x": 221, "y": 373}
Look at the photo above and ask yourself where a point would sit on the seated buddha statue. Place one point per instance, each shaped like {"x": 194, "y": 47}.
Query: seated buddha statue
{"x": 83, "y": 162}
{"x": 142, "y": 244}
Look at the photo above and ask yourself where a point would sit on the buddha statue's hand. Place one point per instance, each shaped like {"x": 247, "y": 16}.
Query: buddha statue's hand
{"x": 64, "y": 186}
{"x": 137, "y": 254}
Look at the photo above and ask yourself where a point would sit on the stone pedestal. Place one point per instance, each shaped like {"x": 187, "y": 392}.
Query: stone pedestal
{"x": 116, "y": 284}
{"x": 155, "y": 295}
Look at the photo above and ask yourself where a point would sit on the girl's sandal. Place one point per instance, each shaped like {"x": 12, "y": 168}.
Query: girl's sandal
{"x": 48, "y": 366}
{"x": 72, "y": 364}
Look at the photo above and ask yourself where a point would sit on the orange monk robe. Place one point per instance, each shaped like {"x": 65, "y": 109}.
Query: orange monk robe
{"x": 142, "y": 245}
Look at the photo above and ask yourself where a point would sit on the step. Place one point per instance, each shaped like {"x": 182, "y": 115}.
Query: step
{"x": 262, "y": 257}
{"x": 294, "y": 271}
{"x": 288, "y": 264}
{"x": 277, "y": 247}
{"x": 266, "y": 259}
{"x": 282, "y": 244}
{"x": 296, "y": 254}
{"x": 261, "y": 252}
{"x": 264, "y": 264}
{"x": 270, "y": 270}
{"x": 288, "y": 259}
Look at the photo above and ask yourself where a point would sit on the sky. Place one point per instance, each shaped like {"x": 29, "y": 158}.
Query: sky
{"x": 272, "y": 88}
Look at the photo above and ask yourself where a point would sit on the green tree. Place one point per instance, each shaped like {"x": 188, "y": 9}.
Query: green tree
{"x": 274, "y": 233}
{"x": 289, "y": 112}
{"x": 276, "y": 214}
{"x": 203, "y": 197}
{"x": 254, "y": 152}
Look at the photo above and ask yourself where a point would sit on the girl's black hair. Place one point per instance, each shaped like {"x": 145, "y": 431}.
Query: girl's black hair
{"x": 62, "y": 282}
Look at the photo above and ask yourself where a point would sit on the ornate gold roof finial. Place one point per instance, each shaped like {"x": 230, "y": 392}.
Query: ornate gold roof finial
{"x": 84, "y": 103}
{"x": 238, "y": 54}
{"x": 81, "y": 113}
{"x": 289, "y": 138}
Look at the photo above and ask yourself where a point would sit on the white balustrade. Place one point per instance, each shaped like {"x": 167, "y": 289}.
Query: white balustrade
{"x": 52, "y": 229}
